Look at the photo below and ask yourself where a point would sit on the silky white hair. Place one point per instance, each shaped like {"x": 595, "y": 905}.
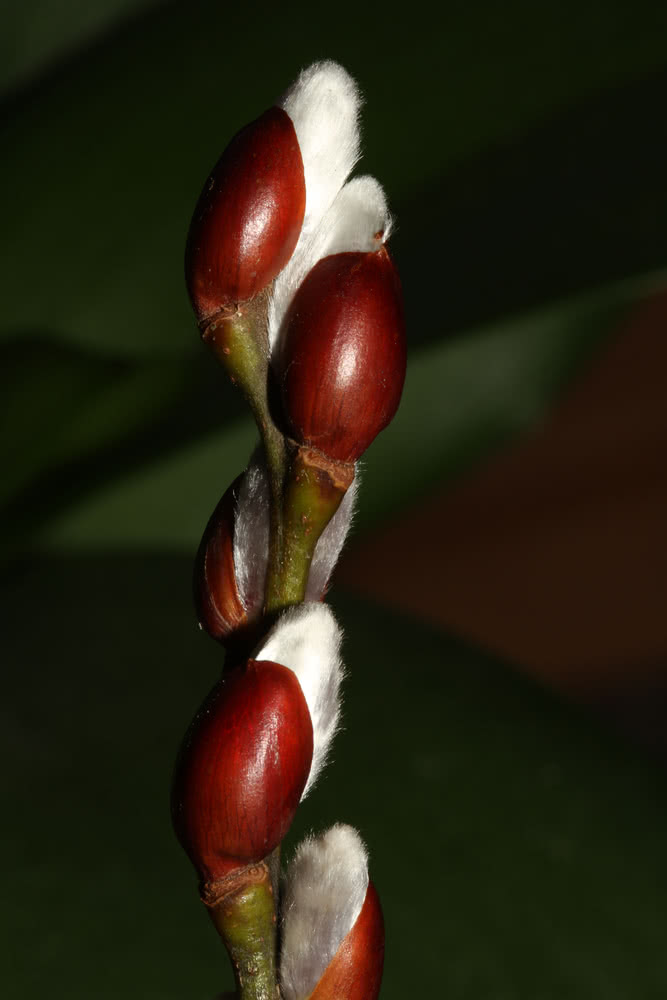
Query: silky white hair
{"x": 325, "y": 888}
{"x": 330, "y": 543}
{"x": 251, "y": 537}
{"x": 324, "y": 103}
{"x": 357, "y": 220}
{"x": 307, "y": 638}
{"x": 251, "y": 533}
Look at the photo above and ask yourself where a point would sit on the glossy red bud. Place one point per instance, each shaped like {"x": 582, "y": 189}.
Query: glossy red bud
{"x": 219, "y": 607}
{"x": 249, "y": 215}
{"x": 355, "y": 971}
{"x": 242, "y": 769}
{"x": 342, "y": 357}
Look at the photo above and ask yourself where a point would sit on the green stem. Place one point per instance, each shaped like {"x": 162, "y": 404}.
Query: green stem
{"x": 306, "y": 492}
{"x": 240, "y": 343}
{"x": 242, "y": 909}
{"x": 313, "y": 489}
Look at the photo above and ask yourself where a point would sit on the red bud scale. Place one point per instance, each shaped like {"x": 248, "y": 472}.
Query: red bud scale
{"x": 355, "y": 971}
{"x": 248, "y": 218}
{"x": 219, "y": 607}
{"x": 242, "y": 769}
{"x": 342, "y": 358}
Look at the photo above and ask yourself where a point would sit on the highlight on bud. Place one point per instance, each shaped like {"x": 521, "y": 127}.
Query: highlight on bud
{"x": 332, "y": 930}
{"x": 232, "y": 561}
{"x": 248, "y": 217}
{"x": 307, "y": 637}
{"x": 242, "y": 769}
{"x": 341, "y": 357}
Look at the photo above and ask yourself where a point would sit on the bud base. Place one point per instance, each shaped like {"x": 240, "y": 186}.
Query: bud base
{"x": 242, "y": 908}
{"x": 315, "y": 484}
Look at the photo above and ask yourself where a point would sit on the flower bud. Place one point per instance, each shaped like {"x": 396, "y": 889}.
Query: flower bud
{"x": 220, "y": 609}
{"x": 231, "y": 564}
{"x": 355, "y": 971}
{"x": 242, "y": 769}
{"x": 249, "y": 215}
{"x": 341, "y": 357}
{"x": 333, "y": 932}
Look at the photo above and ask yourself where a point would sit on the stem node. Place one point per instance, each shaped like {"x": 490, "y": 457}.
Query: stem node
{"x": 242, "y": 909}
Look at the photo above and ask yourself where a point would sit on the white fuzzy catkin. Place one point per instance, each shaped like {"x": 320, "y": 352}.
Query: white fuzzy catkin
{"x": 251, "y": 534}
{"x": 357, "y": 220}
{"x": 324, "y": 104}
{"x": 251, "y": 538}
{"x": 325, "y": 889}
{"x": 330, "y": 544}
{"x": 306, "y": 639}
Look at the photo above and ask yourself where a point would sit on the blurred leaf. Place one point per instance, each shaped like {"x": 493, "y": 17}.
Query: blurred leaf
{"x": 73, "y": 421}
{"x": 104, "y": 161}
{"x": 38, "y": 33}
{"x": 59, "y": 404}
{"x": 465, "y": 397}
{"x": 574, "y": 202}
{"x": 518, "y": 848}
{"x": 161, "y": 505}
{"x": 461, "y": 399}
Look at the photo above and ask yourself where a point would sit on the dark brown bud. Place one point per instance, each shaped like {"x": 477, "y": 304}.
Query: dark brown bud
{"x": 242, "y": 769}
{"x": 248, "y": 218}
{"x": 342, "y": 357}
{"x": 219, "y": 606}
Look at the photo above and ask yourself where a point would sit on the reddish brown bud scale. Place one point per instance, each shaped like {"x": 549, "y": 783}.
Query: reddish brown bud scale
{"x": 249, "y": 215}
{"x": 342, "y": 357}
{"x": 219, "y": 607}
{"x": 355, "y": 971}
{"x": 242, "y": 769}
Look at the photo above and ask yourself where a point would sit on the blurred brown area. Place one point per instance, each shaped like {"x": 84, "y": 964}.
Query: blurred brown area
{"x": 554, "y": 552}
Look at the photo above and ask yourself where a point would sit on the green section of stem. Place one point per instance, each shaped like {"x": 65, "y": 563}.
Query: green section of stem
{"x": 240, "y": 343}
{"x": 245, "y": 912}
{"x": 305, "y": 493}
{"x": 245, "y": 920}
{"x": 313, "y": 490}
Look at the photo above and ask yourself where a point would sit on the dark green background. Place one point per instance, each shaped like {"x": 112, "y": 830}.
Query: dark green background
{"x": 516, "y": 844}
